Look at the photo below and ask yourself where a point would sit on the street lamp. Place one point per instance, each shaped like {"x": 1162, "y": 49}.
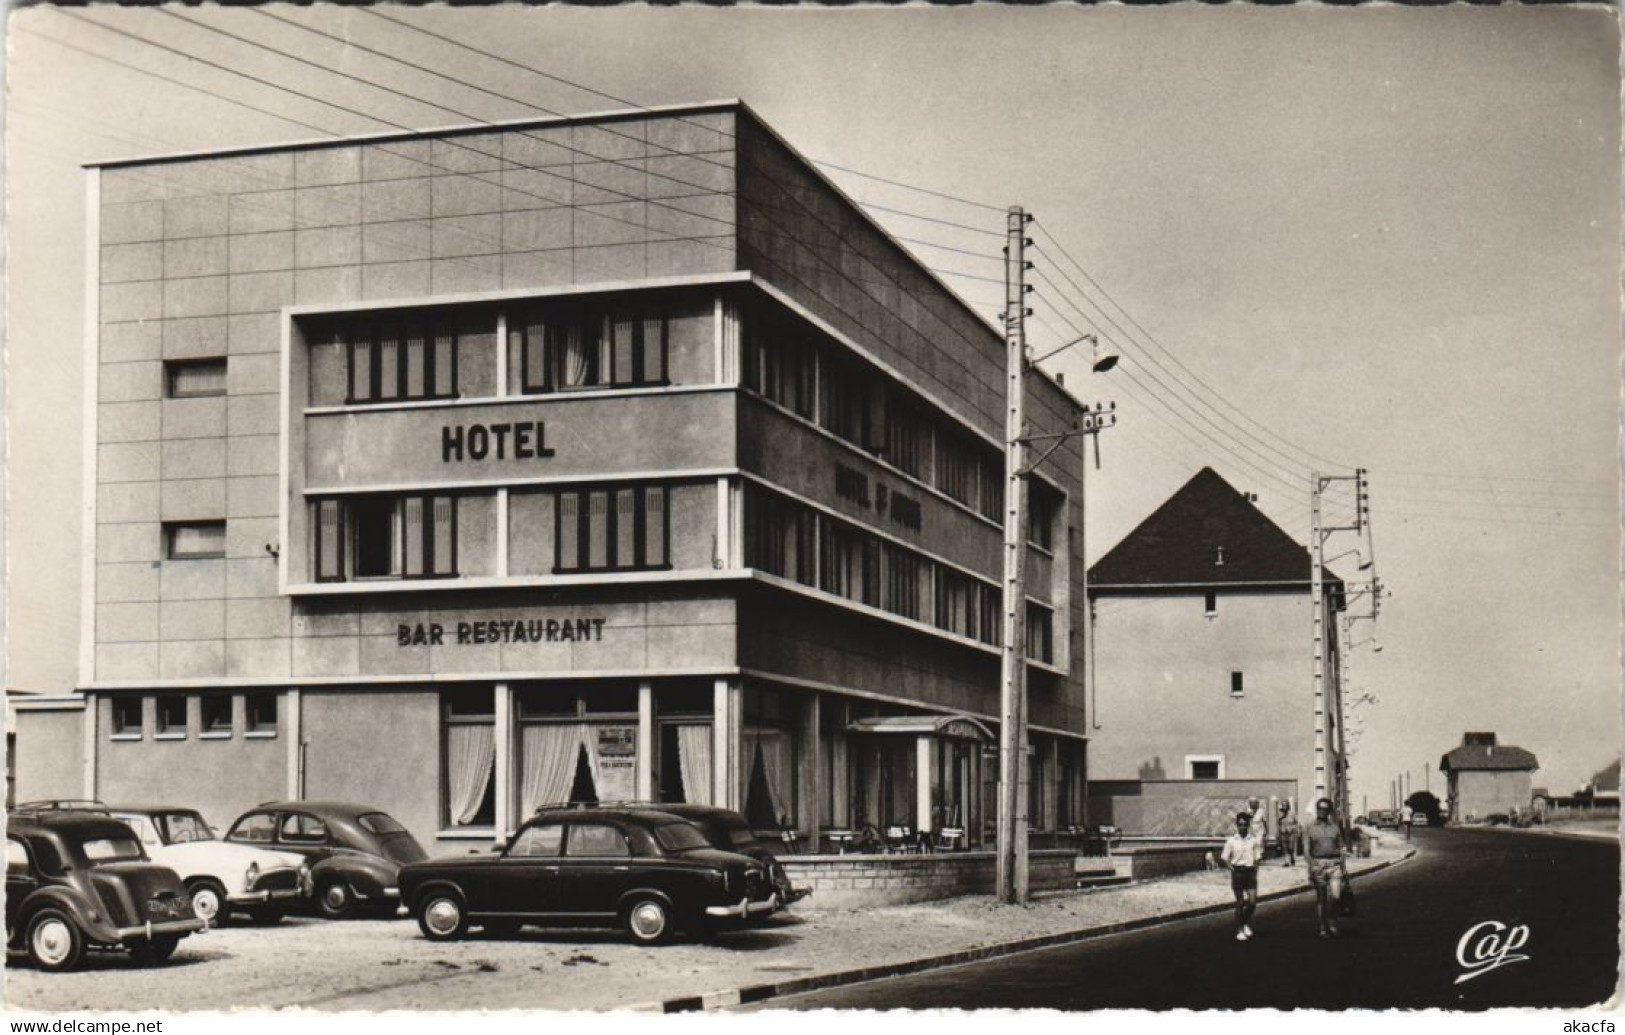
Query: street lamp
{"x": 1102, "y": 360}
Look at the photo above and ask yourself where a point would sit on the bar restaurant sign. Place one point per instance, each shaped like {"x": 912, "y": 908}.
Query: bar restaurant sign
{"x": 501, "y": 630}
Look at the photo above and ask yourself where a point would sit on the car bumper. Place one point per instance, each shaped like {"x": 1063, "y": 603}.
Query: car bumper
{"x": 259, "y": 898}
{"x": 159, "y": 930}
{"x": 745, "y": 908}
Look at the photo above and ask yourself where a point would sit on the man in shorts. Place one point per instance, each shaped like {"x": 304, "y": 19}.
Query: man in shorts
{"x": 1287, "y": 825}
{"x": 1241, "y": 855}
{"x": 1323, "y": 851}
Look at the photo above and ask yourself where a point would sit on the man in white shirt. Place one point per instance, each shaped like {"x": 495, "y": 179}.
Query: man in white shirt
{"x": 1241, "y": 855}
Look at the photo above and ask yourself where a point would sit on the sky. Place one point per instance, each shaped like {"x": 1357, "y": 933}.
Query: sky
{"x": 1320, "y": 238}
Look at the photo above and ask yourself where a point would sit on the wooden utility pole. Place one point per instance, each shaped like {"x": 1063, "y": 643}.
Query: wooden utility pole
{"x": 1011, "y": 838}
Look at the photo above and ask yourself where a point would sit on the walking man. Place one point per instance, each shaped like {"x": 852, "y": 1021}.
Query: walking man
{"x": 1288, "y": 827}
{"x": 1407, "y": 816}
{"x": 1242, "y": 851}
{"x": 1324, "y": 851}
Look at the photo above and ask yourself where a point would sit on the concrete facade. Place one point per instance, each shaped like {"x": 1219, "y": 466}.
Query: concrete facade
{"x": 392, "y": 482}
{"x": 1476, "y": 794}
{"x": 1164, "y": 687}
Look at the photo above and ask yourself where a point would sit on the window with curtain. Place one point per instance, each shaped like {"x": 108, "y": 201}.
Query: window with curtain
{"x": 469, "y": 752}
{"x": 593, "y": 345}
{"x": 694, "y": 761}
{"x": 548, "y": 753}
{"x": 770, "y": 782}
{"x": 612, "y": 528}
{"x": 395, "y": 360}
{"x": 385, "y": 536}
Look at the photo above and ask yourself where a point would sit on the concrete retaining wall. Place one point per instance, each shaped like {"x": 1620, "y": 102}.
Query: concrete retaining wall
{"x": 865, "y": 881}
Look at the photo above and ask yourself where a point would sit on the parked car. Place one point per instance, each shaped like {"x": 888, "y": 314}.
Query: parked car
{"x": 219, "y": 876}
{"x": 651, "y": 872}
{"x": 729, "y": 831}
{"x": 77, "y": 879}
{"x": 1385, "y": 819}
{"x": 354, "y": 852}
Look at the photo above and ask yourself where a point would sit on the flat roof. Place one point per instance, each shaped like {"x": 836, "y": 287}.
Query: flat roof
{"x": 456, "y": 129}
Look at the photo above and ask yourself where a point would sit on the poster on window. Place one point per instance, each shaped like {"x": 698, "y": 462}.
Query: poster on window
{"x": 617, "y": 762}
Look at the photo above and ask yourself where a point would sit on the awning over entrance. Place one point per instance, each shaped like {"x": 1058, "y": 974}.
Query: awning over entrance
{"x": 956, "y": 727}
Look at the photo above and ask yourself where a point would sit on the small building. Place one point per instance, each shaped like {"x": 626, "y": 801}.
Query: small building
{"x": 1487, "y": 778}
{"x": 1204, "y": 671}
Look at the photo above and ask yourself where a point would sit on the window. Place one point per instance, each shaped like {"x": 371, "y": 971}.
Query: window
{"x": 1040, "y": 633}
{"x": 901, "y": 594}
{"x": 908, "y": 436}
{"x": 297, "y": 827}
{"x": 592, "y": 346}
{"x": 625, "y": 528}
{"x": 544, "y": 840}
{"x": 107, "y": 849}
{"x": 844, "y": 391}
{"x": 194, "y": 540}
{"x": 255, "y": 828}
{"x": 185, "y": 828}
{"x": 381, "y": 537}
{"x": 1041, "y": 506}
{"x": 195, "y": 378}
{"x": 469, "y": 750}
{"x": 127, "y": 717}
{"x": 780, "y": 364}
{"x": 16, "y": 859}
{"x": 780, "y": 537}
{"x": 1204, "y": 767}
{"x": 1210, "y": 603}
{"x": 589, "y": 840}
{"x": 171, "y": 712}
{"x": 1235, "y": 685}
{"x": 216, "y": 713}
{"x": 399, "y": 360}
{"x": 259, "y": 712}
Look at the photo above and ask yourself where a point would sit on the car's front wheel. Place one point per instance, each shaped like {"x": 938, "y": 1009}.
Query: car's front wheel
{"x": 54, "y": 941}
{"x": 155, "y": 951}
{"x": 209, "y": 901}
{"x": 442, "y": 917}
{"x": 648, "y": 921}
{"x": 335, "y": 899}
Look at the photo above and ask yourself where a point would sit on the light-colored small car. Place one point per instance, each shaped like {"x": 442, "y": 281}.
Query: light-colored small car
{"x": 220, "y": 877}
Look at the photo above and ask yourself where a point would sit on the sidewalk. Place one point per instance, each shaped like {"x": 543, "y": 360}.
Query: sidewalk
{"x": 835, "y": 948}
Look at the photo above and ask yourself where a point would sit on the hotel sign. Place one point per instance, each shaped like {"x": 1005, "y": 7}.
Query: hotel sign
{"x": 853, "y": 485}
{"x": 523, "y": 440}
{"x": 502, "y": 630}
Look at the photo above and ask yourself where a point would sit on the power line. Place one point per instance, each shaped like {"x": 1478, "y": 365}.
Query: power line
{"x": 379, "y": 119}
{"x": 909, "y": 186}
{"x": 928, "y": 219}
{"x": 1153, "y": 340}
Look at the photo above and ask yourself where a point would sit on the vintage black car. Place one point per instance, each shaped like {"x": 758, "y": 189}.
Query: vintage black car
{"x": 76, "y": 879}
{"x": 729, "y": 831}
{"x": 355, "y": 852}
{"x": 650, "y": 872}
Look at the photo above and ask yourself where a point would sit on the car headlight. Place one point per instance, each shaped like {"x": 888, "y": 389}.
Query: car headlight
{"x": 251, "y": 875}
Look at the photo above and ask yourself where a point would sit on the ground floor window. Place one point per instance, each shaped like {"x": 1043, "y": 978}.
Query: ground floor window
{"x": 686, "y": 774}
{"x": 469, "y": 753}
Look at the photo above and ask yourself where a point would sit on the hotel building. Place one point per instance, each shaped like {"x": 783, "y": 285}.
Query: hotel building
{"x": 616, "y": 457}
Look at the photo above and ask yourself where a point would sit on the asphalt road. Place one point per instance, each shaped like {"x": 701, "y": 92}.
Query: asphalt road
{"x": 1400, "y": 950}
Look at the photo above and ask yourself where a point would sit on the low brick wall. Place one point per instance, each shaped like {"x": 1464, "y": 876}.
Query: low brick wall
{"x": 865, "y": 881}
{"x": 1151, "y": 860}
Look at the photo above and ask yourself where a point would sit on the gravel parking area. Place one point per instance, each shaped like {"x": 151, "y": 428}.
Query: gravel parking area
{"x": 386, "y": 964}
